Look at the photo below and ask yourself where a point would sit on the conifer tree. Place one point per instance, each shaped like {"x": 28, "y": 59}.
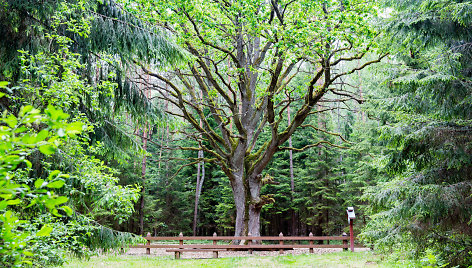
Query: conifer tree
{"x": 425, "y": 202}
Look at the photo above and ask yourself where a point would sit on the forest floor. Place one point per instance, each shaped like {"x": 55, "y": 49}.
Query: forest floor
{"x": 325, "y": 258}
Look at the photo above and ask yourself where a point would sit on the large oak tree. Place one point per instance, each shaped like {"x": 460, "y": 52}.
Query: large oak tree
{"x": 245, "y": 56}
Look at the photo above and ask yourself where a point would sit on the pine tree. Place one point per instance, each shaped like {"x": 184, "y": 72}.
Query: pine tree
{"x": 425, "y": 202}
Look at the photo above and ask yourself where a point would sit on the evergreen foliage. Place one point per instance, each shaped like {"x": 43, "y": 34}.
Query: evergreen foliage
{"x": 109, "y": 41}
{"x": 425, "y": 200}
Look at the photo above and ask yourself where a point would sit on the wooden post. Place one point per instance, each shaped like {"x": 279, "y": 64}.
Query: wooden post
{"x": 351, "y": 215}
{"x": 148, "y": 250}
{"x": 281, "y": 242}
{"x": 311, "y": 242}
{"x": 181, "y": 243}
{"x": 351, "y": 234}
{"x": 249, "y": 242}
{"x": 215, "y": 253}
{"x": 345, "y": 242}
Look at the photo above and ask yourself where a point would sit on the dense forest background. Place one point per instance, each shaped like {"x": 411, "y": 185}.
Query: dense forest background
{"x": 94, "y": 152}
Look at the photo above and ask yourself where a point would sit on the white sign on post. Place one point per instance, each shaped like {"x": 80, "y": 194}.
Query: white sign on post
{"x": 350, "y": 214}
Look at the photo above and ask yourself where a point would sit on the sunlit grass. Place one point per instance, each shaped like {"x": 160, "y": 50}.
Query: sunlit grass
{"x": 339, "y": 259}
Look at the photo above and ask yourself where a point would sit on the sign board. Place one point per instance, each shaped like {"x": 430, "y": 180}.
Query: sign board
{"x": 350, "y": 214}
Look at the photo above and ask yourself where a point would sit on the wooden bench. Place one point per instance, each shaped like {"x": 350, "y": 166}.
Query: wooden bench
{"x": 177, "y": 252}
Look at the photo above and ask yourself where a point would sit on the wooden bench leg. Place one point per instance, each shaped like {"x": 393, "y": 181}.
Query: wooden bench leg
{"x": 177, "y": 255}
{"x": 215, "y": 254}
{"x": 345, "y": 242}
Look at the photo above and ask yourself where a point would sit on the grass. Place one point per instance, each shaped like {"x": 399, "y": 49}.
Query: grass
{"x": 341, "y": 259}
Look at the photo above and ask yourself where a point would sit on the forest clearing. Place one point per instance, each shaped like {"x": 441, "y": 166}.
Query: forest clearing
{"x": 236, "y": 133}
{"x": 328, "y": 260}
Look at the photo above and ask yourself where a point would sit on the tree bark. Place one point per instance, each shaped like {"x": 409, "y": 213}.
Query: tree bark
{"x": 195, "y": 209}
{"x": 143, "y": 186}
{"x": 239, "y": 194}
{"x": 294, "y": 228}
{"x": 255, "y": 206}
{"x": 164, "y": 133}
{"x": 198, "y": 190}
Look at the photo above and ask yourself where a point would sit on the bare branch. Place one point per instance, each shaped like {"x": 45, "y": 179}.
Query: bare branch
{"x": 327, "y": 132}
{"x": 313, "y": 145}
{"x": 359, "y": 68}
{"x": 224, "y": 50}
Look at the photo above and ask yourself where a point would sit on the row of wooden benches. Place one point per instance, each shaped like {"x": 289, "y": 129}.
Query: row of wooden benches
{"x": 215, "y": 250}
{"x": 251, "y": 244}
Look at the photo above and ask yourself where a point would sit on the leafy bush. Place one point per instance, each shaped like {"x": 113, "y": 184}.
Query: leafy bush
{"x": 36, "y": 227}
{"x": 22, "y": 135}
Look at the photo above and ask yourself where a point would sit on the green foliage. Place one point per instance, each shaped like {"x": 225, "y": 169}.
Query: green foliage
{"x": 79, "y": 237}
{"x": 169, "y": 195}
{"x": 89, "y": 183}
{"x": 83, "y": 52}
{"x": 117, "y": 32}
{"x": 93, "y": 189}
{"x": 421, "y": 207}
{"x": 19, "y": 140}
{"x": 53, "y": 78}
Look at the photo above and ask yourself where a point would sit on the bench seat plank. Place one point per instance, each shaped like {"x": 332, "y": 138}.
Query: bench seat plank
{"x": 195, "y": 250}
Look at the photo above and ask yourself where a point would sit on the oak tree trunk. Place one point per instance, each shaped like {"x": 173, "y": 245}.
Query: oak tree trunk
{"x": 239, "y": 194}
{"x": 254, "y": 206}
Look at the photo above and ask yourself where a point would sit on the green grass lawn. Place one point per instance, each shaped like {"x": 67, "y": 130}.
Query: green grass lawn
{"x": 342, "y": 259}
